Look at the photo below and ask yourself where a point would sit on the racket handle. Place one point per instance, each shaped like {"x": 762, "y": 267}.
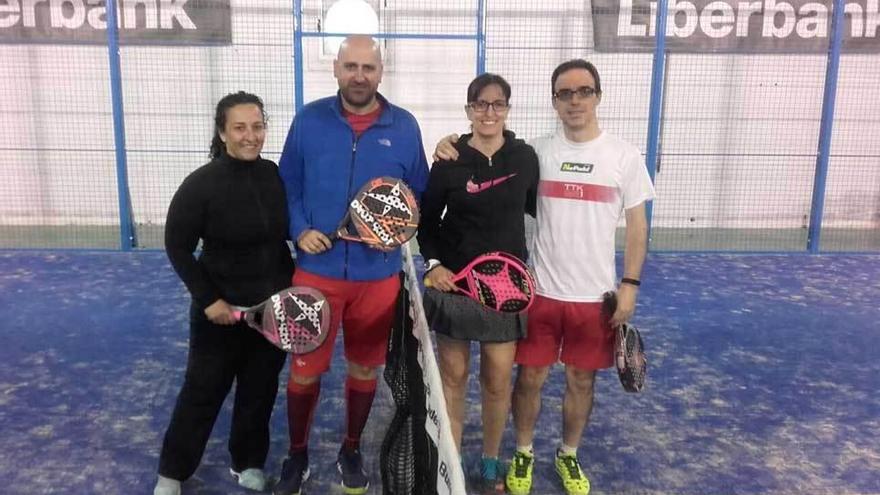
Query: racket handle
{"x": 238, "y": 312}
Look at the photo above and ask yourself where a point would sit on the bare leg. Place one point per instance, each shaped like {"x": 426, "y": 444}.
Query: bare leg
{"x": 527, "y": 401}
{"x": 577, "y": 404}
{"x": 453, "y": 358}
{"x": 496, "y": 368}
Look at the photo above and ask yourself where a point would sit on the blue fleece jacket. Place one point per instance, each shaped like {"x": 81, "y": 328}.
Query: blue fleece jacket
{"x": 323, "y": 165}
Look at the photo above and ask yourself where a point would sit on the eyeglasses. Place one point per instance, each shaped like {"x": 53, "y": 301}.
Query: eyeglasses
{"x": 480, "y": 106}
{"x": 568, "y": 94}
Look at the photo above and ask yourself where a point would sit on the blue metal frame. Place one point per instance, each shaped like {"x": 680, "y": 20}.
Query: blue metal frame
{"x": 656, "y": 106}
{"x": 298, "y": 87}
{"x": 127, "y": 239}
{"x": 481, "y": 37}
{"x": 824, "y": 152}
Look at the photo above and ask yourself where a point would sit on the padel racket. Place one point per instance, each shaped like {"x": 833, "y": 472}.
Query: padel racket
{"x": 629, "y": 350}
{"x": 295, "y": 320}
{"x": 497, "y": 280}
{"x": 384, "y": 214}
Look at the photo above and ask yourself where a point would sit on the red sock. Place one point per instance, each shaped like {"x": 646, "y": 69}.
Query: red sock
{"x": 302, "y": 400}
{"x": 359, "y": 396}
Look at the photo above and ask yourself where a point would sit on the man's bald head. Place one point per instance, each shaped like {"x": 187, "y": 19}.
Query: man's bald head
{"x": 359, "y": 43}
{"x": 358, "y": 71}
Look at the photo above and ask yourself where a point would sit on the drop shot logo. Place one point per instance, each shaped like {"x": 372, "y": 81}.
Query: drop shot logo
{"x": 166, "y": 22}
{"x": 730, "y": 26}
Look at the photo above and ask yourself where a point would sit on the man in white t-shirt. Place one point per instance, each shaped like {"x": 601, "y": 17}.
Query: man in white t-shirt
{"x": 589, "y": 178}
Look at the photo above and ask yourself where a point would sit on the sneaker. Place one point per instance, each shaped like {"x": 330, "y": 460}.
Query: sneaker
{"x": 351, "y": 466}
{"x": 490, "y": 481}
{"x": 519, "y": 475}
{"x": 294, "y": 472}
{"x": 251, "y": 478}
{"x": 573, "y": 478}
{"x": 166, "y": 486}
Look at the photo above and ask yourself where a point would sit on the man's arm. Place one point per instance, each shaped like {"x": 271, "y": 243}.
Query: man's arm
{"x": 291, "y": 167}
{"x": 633, "y": 258}
{"x": 444, "y": 150}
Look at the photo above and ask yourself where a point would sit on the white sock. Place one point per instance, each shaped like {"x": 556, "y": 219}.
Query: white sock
{"x": 525, "y": 449}
{"x": 566, "y": 450}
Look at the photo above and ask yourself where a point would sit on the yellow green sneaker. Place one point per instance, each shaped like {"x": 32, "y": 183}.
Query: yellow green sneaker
{"x": 573, "y": 478}
{"x": 519, "y": 475}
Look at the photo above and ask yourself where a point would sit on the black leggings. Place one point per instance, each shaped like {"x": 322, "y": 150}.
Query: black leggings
{"x": 217, "y": 356}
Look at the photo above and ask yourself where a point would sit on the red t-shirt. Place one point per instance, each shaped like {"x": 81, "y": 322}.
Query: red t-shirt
{"x": 361, "y": 123}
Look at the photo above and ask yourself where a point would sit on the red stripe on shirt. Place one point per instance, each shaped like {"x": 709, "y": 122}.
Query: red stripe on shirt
{"x": 577, "y": 191}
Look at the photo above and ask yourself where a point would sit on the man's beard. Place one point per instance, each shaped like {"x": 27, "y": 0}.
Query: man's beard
{"x": 358, "y": 100}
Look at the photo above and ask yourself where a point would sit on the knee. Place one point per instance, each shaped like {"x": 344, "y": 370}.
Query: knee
{"x": 361, "y": 372}
{"x": 531, "y": 379}
{"x": 580, "y": 380}
{"x": 297, "y": 381}
{"x": 454, "y": 377}
{"x": 496, "y": 386}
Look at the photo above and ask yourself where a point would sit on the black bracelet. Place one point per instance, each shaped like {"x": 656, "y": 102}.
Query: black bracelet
{"x": 631, "y": 281}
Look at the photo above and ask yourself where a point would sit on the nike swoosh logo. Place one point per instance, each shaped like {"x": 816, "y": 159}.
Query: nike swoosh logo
{"x": 474, "y": 188}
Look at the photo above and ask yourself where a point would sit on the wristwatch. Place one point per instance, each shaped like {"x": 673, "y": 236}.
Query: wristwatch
{"x": 431, "y": 264}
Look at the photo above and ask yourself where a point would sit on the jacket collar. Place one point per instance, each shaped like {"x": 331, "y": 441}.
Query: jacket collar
{"x": 385, "y": 118}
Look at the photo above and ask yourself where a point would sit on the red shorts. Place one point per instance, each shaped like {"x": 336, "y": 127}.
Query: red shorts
{"x": 366, "y": 311}
{"x": 579, "y": 329}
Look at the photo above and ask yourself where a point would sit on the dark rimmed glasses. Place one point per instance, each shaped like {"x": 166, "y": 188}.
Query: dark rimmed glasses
{"x": 480, "y": 106}
{"x": 568, "y": 94}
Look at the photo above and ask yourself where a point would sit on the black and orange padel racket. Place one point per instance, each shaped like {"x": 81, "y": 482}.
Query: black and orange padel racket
{"x": 384, "y": 214}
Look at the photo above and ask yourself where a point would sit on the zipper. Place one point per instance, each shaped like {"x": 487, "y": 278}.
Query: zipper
{"x": 354, "y": 145}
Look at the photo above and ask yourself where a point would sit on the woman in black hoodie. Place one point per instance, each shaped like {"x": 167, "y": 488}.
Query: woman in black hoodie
{"x": 236, "y": 205}
{"x": 485, "y": 193}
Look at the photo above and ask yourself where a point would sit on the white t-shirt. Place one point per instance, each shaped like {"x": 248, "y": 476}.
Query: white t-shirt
{"x": 583, "y": 192}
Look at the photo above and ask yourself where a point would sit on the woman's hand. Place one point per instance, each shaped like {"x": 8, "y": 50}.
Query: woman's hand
{"x": 440, "y": 278}
{"x": 220, "y": 313}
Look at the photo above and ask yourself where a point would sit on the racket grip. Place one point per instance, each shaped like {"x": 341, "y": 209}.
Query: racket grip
{"x": 237, "y": 314}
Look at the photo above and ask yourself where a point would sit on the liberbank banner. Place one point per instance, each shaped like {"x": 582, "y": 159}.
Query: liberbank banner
{"x": 141, "y": 22}
{"x": 728, "y": 26}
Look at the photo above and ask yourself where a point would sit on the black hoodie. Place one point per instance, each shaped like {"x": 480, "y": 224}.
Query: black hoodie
{"x": 485, "y": 200}
{"x": 238, "y": 210}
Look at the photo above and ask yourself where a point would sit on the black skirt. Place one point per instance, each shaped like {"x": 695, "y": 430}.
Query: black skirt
{"x": 460, "y": 317}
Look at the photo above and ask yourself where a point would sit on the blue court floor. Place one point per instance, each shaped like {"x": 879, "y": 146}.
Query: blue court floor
{"x": 763, "y": 380}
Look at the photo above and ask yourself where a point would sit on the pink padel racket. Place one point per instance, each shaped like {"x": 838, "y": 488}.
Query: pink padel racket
{"x": 295, "y": 320}
{"x": 497, "y": 280}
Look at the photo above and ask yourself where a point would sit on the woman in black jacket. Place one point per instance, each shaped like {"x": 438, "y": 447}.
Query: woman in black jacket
{"x": 236, "y": 206}
{"x": 485, "y": 194}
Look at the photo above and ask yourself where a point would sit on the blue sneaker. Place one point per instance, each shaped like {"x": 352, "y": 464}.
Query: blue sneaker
{"x": 294, "y": 473}
{"x": 350, "y": 464}
{"x": 491, "y": 480}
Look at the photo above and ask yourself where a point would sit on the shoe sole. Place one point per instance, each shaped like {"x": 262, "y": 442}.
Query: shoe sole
{"x": 351, "y": 490}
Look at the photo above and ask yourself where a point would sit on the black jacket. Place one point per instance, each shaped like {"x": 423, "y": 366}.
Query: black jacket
{"x": 485, "y": 200}
{"x": 238, "y": 209}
